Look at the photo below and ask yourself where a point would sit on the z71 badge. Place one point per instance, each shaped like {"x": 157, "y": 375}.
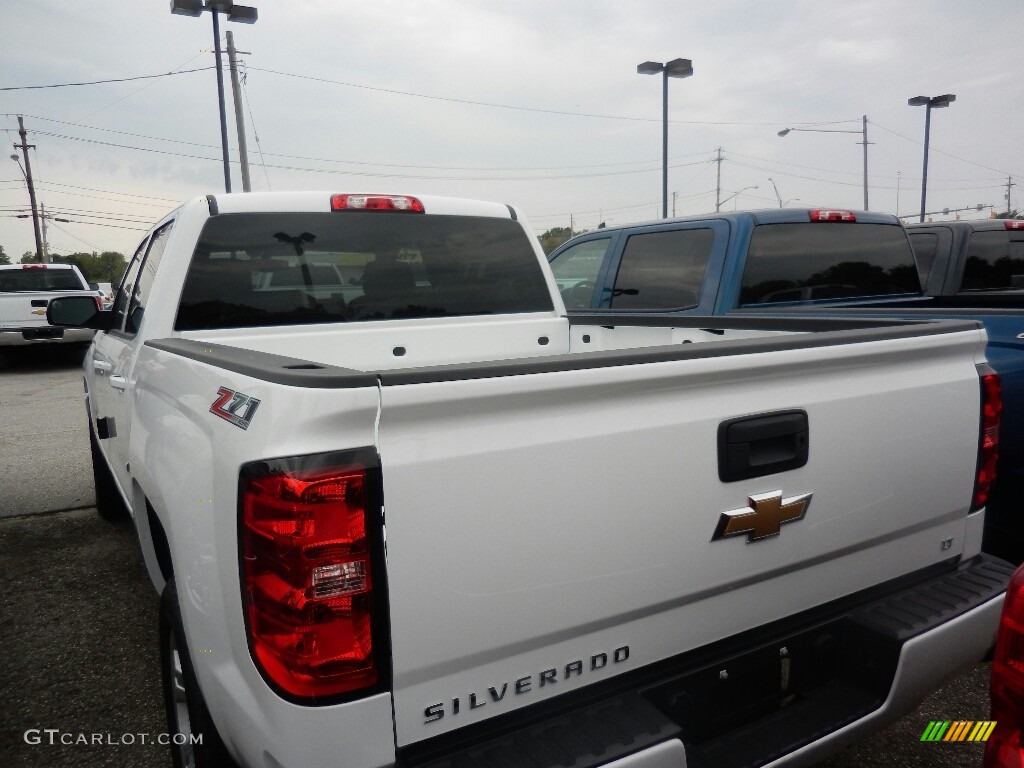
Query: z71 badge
{"x": 234, "y": 407}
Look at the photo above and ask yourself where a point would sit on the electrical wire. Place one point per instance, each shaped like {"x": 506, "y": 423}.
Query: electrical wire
{"x": 364, "y": 162}
{"x": 348, "y": 172}
{"x": 516, "y": 107}
{"x": 101, "y": 82}
{"x": 255, "y": 133}
{"x": 76, "y": 237}
{"x": 932, "y": 148}
{"x": 140, "y": 90}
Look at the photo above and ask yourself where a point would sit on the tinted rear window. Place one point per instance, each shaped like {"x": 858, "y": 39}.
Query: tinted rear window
{"x": 251, "y": 270}
{"x": 994, "y": 260}
{"x": 801, "y": 262}
{"x": 14, "y": 280}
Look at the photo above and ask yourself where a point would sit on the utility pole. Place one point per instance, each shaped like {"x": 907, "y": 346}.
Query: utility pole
{"x": 25, "y": 147}
{"x": 674, "y": 204}
{"x": 1009, "y": 184}
{"x": 718, "y": 183}
{"x": 865, "y": 142}
{"x": 243, "y": 154}
{"x": 899, "y": 178}
{"x": 46, "y": 246}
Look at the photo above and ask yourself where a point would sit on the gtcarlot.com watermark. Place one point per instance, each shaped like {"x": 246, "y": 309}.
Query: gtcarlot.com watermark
{"x": 56, "y": 737}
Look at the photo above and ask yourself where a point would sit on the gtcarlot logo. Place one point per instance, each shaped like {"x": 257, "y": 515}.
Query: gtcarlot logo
{"x": 958, "y": 730}
{"x": 56, "y": 737}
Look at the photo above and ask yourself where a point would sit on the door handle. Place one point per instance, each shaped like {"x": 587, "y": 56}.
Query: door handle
{"x": 756, "y": 446}
{"x": 119, "y": 383}
{"x": 102, "y": 366}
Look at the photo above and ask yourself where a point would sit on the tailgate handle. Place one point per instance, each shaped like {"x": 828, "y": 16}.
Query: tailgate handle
{"x": 40, "y": 302}
{"x": 755, "y": 446}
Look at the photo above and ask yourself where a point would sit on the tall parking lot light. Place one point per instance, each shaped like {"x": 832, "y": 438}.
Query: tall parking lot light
{"x": 928, "y": 102}
{"x": 676, "y": 68}
{"x": 241, "y": 13}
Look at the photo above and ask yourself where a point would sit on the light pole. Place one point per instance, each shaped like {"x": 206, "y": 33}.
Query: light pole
{"x": 676, "y": 68}
{"x": 777, "y": 195}
{"x": 928, "y": 102}
{"x": 864, "y": 133}
{"x": 734, "y": 195}
{"x": 242, "y": 13}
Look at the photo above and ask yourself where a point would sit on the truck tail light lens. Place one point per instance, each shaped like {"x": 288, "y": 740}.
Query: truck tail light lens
{"x": 988, "y": 441}
{"x": 1005, "y": 747}
{"x": 1015, "y": 223}
{"x": 310, "y": 542}
{"x": 401, "y": 203}
{"x": 824, "y": 214}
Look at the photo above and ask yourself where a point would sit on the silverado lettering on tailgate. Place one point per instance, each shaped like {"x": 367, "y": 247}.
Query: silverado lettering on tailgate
{"x": 526, "y": 684}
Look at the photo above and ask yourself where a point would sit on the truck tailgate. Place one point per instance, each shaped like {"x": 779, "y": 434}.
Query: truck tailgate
{"x": 23, "y": 310}
{"x": 571, "y": 539}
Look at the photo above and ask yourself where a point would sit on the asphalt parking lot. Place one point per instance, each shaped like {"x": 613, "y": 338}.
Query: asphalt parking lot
{"x": 78, "y": 629}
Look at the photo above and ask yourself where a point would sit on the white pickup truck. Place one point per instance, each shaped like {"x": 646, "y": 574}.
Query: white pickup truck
{"x": 402, "y": 511}
{"x": 25, "y": 292}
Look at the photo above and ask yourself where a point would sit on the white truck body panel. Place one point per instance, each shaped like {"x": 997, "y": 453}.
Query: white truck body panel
{"x": 579, "y": 523}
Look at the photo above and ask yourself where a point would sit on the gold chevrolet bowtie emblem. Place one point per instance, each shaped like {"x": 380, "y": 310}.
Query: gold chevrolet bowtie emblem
{"x": 763, "y": 517}
{"x": 38, "y": 311}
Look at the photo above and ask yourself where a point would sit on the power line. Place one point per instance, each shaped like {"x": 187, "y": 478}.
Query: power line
{"x": 112, "y": 192}
{"x": 348, "y": 172}
{"x": 76, "y": 237}
{"x": 513, "y": 106}
{"x": 46, "y": 186}
{"x": 140, "y": 90}
{"x": 88, "y": 223}
{"x": 255, "y": 133}
{"x": 932, "y": 148}
{"x": 100, "y": 82}
{"x": 357, "y": 162}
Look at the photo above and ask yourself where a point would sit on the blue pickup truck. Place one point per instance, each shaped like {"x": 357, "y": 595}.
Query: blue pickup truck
{"x": 813, "y": 262}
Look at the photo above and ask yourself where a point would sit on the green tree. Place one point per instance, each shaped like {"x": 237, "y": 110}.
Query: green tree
{"x": 29, "y": 257}
{"x": 554, "y": 237}
{"x": 1009, "y": 215}
{"x": 4, "y": 258}
{"x": 106, "y": 267}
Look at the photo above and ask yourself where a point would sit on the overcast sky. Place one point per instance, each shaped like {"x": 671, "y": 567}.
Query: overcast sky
{"x": 531, "y": 102}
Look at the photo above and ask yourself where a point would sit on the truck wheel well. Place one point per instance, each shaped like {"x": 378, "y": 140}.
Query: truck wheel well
{"x": 160, "y": 546}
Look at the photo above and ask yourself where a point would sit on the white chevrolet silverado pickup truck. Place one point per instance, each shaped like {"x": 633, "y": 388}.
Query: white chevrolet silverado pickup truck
{"x": 402, "y": 511}
{"x": 25, "y": 292}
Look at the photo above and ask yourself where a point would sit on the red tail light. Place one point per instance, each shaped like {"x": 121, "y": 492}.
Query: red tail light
{"x": 1015, "y": 223}
{"x": 376, "y": 203}
{"x": 822, "y": 214}
{"x": 988, "y": 442}
{"x": 309, "y": 539}
{"x": 1005, "y": 748}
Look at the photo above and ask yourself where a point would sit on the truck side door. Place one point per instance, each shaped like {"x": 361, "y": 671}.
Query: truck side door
{"x": 113, "y": 355}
